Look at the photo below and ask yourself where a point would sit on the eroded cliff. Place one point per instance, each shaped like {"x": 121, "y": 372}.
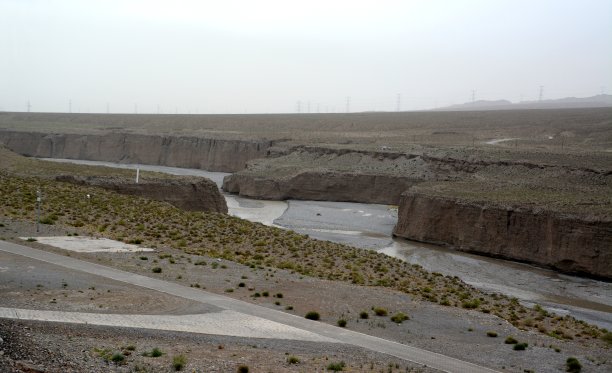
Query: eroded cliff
{"x": 176, "y": 151}
{"x": 187, "y": 193}
{"x": 570, "y": 242}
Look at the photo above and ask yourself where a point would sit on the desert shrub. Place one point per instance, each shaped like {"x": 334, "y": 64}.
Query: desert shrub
{"x": 342, "y": 323}
{"x": 243, "y": 369}
{"x": 336, "y": 367}
{"x": 379, "y": 311}
{"x": 117, "y": 358}
{"x": 474, "y": 303}
{"x": 144, "y": 258}
{"x": 179, "y": 362}
{"x": 279, "y": 295}
{"x": 293, "y": 360}
{"x": 156, "y": 352}
{"x": 491, "y": 334}
{"x": 573, "y": 365}
{"x": 399, "y": 317}
{"x": 241, "y": 285}
{"x": 520, "y": 346}
{"x": 156, "y": 269}
{"x": 607, "y": 337}
{"x": 313, "y": 315}
{"x": 510, "y": 341}
{"x": 265, "y": 294}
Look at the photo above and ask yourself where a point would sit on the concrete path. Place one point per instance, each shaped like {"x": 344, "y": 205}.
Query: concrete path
{"x": 413, "y": 354}
{"x": 226, "y": 322}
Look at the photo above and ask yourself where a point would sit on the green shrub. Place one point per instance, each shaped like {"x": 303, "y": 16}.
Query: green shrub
{"x": 510, "y": 341}
{"x": 293, "y": 360}
{"x": 336, "y": 367}
{"x": 342, "y": 323}
{"x": 573, "y": 365}
{"x": 241, "y": 285}
{"x": 156, "y": 352}
{"x": 265, "y": 294}
{"x": 200, "y": 263}
{"x": 179, "y": 362}
{"x": 364, "y": 315}
{"x": 279, "y": 295}
{"x": 520, "y": 346}
{"x": 491, "y": 334}
{"x": 607, "y": 337}
{"x": 313, "y": 315}
{"x": 243, "y": 369}
{"x": 156, "y": 269}
{"x": 399, "y": 317}
{"x": 144, "y": 258}
{"x": 474, "y": 303}
{"x": 117, "y": 358}
{"x": 379, "y": 311}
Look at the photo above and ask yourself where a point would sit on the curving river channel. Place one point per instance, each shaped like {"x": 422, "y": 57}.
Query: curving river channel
{"x": 369, "y": 226}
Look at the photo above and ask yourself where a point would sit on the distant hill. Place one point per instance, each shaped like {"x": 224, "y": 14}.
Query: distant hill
{"x": 561, "y": 103}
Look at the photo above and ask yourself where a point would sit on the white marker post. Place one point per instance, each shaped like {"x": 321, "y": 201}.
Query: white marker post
{"x": 137, "y": 174}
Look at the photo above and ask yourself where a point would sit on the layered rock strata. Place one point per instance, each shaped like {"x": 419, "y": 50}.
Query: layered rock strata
{"x": 174, "y": 151}
{"x": 571, "y": 243}
{"x": 192, "y": 194}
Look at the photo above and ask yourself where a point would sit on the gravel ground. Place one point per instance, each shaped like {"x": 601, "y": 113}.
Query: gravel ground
{"x": 450, "y": 331}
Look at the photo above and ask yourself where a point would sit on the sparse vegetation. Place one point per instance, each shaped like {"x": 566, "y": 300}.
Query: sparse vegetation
{"x": 313, "y": 315}
{"x": 293, "y": 360}
{"x": 491, "y": 334}
{"x": 520, "y": 346}
{"x": 179, "y": 362}
{"x": 342, "y": 323}
{"x": 399, "y": 317}
{"x": 573, "y": 365}
{"x": 336, "y": 367}
{"x": 379, "y": 311}
{"x": 510, "y": 340}
{"x": 156, "y": 270}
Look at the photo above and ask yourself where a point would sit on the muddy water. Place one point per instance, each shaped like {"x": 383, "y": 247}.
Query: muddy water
{"x": 370, "y": 226}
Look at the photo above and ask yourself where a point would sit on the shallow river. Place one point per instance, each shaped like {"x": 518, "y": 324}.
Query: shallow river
{"x": 369, "y": 226}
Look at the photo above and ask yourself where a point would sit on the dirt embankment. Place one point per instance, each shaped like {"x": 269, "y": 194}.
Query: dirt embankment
{"x": 176, "y": 151}
{"x": 191, "y": 194}
{"x": 572, "y": 243}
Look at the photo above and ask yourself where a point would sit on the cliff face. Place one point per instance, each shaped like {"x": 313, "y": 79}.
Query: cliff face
{"x": 321, "y": 186}
{"x": 189, "y": 152}
{"x": 189, "y": 194}
{"x": 568, "y": 243}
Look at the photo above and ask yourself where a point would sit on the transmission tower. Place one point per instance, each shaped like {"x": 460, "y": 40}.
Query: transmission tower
{"x": 28, "y": 106}
{"x": 348, "y": 104}
{"x": 398, "y": 106}
{"x": 541, "y": 93}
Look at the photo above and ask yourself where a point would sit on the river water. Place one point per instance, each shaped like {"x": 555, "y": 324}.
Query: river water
{"x": 369, "y": 226}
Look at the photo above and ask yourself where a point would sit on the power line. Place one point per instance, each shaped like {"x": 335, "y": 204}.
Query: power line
{"x": 28, "y": 106}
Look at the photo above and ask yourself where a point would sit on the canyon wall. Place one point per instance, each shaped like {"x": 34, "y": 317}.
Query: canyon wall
{"x": 321, "y": 186}
{"x": 565, "y": 242}
{"x": 191, "y": 194}
{"x": 174, "y": 151}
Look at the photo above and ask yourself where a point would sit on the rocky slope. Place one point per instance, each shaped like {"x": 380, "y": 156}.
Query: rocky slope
{"x": 573, "y": 243}
{"x": 177, "y": 151}
{"x": 192, "y": 194}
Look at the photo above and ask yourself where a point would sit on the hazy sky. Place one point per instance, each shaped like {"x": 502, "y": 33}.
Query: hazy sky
{"x": 265, "y": 56}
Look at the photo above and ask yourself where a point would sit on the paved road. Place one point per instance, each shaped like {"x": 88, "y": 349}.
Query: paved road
{"x": 402, "y": 351}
